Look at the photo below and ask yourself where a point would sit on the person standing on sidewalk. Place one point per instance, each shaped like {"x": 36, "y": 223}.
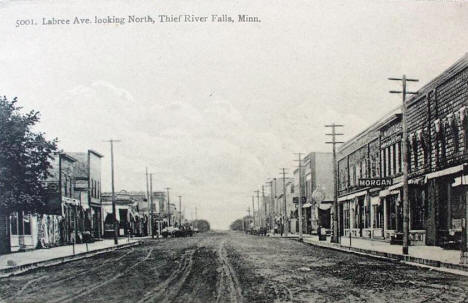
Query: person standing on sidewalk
{"x": 281, "y": 226}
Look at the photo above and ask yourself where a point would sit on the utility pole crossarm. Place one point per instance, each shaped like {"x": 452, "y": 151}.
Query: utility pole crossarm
{"x": 404, "y": 78}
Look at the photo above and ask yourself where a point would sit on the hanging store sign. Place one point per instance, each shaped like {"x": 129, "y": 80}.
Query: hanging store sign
{"x": 296, "y": 200}
{"x": 375, "y": 182}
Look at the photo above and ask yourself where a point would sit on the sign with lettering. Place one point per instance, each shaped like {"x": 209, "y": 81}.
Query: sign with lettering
{"x": 375, "y": 182}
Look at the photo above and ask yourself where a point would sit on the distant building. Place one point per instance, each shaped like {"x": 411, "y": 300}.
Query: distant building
{"x": 316, "y": 183}
{"x": 126, "y": 212}
{"x": 88, "y": 189}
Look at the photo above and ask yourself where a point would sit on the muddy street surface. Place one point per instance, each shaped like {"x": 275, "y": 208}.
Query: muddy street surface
{"x": 232, "y": 267}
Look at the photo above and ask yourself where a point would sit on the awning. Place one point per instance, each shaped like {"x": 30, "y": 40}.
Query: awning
{"x": 306, "y": 205}
{"x": 387, "y": 192}
{"x": 460, "y": 181}
{"x": 375, "y": 200}
{"x": 395, "y": 186}
{"x": 352, "y": 196}
{"x": 325, "y": 206}
{"x": 384, "y": 193}
{"x": 445, "y": 172}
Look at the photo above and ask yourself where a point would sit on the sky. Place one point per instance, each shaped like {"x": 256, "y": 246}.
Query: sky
{"x": 215, "y": 109}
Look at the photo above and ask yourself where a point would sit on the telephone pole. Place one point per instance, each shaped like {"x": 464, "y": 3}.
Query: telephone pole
{"x": 270, "y": 204}
{"x": 275, "y": 203}
{"x": 259, "y": 220}
{"x": 300, "y": 196}
{"x": 248, "y": 218}
{"x": 116, "y": 228}
{"x": 285, "y": 215}
{"x": 180, "y": 211}
{"x": 148, "y": 199}
{"x": 253, "y": 209}
{"x": 168, "y": 208}
{"x": 264, "y": 204}
{"x": 335, "y": 236}
{"x": 151, "y": 207}
{"x": 404, "y": 151}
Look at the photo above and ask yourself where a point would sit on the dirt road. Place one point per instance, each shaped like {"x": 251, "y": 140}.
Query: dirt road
{"x": 232, "y": 267}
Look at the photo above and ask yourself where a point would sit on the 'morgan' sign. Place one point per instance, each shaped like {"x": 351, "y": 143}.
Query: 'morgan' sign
{"x": 375, "y": 182}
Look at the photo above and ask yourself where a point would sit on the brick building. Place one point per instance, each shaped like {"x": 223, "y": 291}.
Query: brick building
{"x": 438, "y": 154}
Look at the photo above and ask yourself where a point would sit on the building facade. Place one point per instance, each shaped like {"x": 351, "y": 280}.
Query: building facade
{"x": 317, "y": 190}
{"x": 437, "y": 159}
{"x": 56, "y": 224}
{"x": 88, "y": 190}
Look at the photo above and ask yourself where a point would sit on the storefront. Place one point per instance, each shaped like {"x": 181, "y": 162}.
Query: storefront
{"x": 446, "y": 207}
{"x": 23, "y": 231}
{"x": 354, "y": 214}
{"x": 307, "y": 218}
{"x": 323, "y": 213}
{"x": 96, "y": 222}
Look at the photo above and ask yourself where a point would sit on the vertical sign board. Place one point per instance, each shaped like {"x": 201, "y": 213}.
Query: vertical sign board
{"x": 54, "y": 203}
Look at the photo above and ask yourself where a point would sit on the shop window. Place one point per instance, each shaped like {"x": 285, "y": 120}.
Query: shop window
{"x": 377, "y": 220}
{"x": 27, "y": 224}
{"x": 346, "y": 215}
{"x": 416, "y": 199}
{"x": 14, "y": 229}
{"x": 368, "y": 216}
{"x": 457, "y": 205}
{"x": 391, "y": 209}
{"x": 356, "y": 216}
{"x": 20, "y": 223}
